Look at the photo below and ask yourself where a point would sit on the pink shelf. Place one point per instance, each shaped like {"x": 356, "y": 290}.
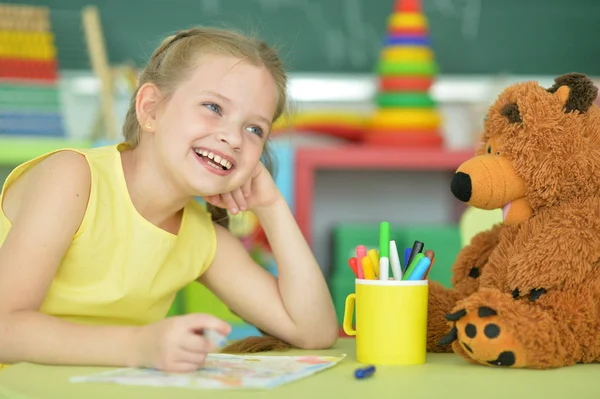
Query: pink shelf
{"x": 362, "y": 157}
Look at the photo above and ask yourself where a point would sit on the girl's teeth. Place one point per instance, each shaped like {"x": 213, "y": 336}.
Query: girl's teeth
{"x": 215, "y": 160}
{"x": 214, "y": 165}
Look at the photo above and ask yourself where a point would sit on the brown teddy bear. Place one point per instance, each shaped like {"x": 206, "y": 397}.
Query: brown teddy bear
{"x": 526, "y": 293}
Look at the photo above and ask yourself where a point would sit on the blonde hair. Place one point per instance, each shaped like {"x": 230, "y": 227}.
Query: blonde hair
{"x": 176, "y": 57}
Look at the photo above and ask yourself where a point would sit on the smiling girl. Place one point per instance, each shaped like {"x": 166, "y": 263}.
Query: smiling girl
{"x": 94, "y": 244}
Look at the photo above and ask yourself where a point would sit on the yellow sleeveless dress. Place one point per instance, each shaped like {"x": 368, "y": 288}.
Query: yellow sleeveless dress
{"x": 120, "y": 269}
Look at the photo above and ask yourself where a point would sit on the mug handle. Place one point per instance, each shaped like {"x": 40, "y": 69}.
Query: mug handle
{"x": 348, "y": 313}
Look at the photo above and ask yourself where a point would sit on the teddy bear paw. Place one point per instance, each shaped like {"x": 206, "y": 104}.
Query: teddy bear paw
{"x": 482, "y": 335}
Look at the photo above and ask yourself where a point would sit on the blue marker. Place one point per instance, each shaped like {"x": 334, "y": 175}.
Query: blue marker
{"x": 407, "y": 252}
{"x": 420, "y": 269}
{"x": 364, "y": 373}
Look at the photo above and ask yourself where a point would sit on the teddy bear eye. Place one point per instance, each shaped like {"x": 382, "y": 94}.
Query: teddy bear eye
{"x": 489, "y": 149}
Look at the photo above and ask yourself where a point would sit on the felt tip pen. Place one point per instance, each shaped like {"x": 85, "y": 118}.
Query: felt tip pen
{"x": 367, "y": 266}
{"x": 431, "y": 255}
{"x": 353, "y": 265}
{"x": 384, "y": 240}
{"x": 395, "y": 261}
{"x": 429, "y": 269}
{"x": 420, "y": 269}
{"x": 416, "y": 249}
{"x": 215, "y": 338}
{"x": 361, "y": 252}
{"x": 384, "y": 268}
{"x": 412, "y": 266}
{"x": 407, "y": 252}
{"x": 374, "y": 256}
{"x": 364, "y": 372}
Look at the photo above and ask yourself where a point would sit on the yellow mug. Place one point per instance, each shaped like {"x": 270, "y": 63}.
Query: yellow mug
{"x": 391, "y": 321}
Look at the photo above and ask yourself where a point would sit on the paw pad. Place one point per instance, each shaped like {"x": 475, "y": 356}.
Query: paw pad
{"x": 505, "y": 359}
{"x": 484, "y": 311}
{"x": 470, "y": 330}
{"x": 483, "y": 337}
{"x": 491, "y": 331}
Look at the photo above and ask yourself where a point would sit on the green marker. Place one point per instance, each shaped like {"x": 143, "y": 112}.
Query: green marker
{"x": 412, "y": 265}
{"x": 384, "y": 240}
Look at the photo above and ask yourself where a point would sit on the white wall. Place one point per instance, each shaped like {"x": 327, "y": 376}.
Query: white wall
{"x": 462, "y": 100}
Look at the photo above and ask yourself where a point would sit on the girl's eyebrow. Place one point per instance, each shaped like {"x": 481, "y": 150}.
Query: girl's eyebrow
{"x": 215, "y": 94}
{"x": 263, "y": 119}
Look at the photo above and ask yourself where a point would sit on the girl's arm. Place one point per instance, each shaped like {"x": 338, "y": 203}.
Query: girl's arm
{"x": 295, "y": 307}
{"x": 46, "y": 207}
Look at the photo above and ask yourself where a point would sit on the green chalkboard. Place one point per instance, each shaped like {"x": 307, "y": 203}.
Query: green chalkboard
{"x": 468, "y": 36}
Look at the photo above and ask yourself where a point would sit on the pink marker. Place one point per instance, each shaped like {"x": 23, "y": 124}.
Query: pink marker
{"x": 361, "y": 252}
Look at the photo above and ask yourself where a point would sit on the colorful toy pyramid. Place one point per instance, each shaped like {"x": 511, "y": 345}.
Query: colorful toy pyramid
{"x": 406, "y": 115}
{"x": 29, "y": 92}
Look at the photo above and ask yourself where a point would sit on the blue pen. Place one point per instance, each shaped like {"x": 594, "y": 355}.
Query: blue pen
{"x": 420, "y": 269}
{"x": 364, "y": 372}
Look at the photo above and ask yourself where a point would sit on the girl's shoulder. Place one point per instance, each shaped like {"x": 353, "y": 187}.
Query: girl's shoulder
{"x": 65, "y": 171}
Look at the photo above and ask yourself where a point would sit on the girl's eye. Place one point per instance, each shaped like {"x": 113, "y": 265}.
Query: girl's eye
{"x": 213, "y": 107}
{"x": 256, "y": 130}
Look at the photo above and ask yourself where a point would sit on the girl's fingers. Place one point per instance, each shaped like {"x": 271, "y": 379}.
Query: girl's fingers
{"x": 193, "y": 358}
{"x": 238, "y": 197}
{"x": 213, "y": 199}
{"x": 247, "y": 188}
{"x": 229, "y": 203}
{"x": 196, "y": 343}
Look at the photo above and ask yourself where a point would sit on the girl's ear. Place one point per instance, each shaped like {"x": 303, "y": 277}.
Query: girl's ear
{"x": 146, "y": 103}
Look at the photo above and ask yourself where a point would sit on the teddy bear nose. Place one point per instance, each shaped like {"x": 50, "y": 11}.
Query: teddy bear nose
{"x": 461, "y": 186}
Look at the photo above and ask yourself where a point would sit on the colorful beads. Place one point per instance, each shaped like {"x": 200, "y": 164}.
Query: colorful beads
{"x": 407, "y": 118}
{"x": 420, "y": 84}
{"x": 406, "y": 114}
{"x": 397, "y": 54}
{"x": 29, "y": 45}
{"x": 407, "y": 20}
{"x": 29, "y": 92}
{"x": 407, "y": 99}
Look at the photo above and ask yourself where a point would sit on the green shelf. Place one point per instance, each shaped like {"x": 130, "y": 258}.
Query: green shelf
{"x": 15, "y": 150}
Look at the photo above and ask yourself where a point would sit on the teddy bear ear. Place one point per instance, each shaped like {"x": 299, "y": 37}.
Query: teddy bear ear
{"x": 575, "y": 91}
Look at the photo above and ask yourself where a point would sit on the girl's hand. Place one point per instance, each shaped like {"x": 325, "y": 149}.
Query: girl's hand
{"x": 259, "y": 191}
{"x": 176, "y": 344}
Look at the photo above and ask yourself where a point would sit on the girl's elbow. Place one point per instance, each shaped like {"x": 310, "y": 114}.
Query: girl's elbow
{"x": 324, "y": 341}
{"x": 323, "y": 337}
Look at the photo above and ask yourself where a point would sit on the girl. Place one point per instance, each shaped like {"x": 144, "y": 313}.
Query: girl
{"x": 96, "y": 243}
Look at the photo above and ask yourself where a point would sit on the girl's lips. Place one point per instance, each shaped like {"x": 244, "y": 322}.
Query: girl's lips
{"x": 219, "y": 156}
{"x": 212, "y": 166}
